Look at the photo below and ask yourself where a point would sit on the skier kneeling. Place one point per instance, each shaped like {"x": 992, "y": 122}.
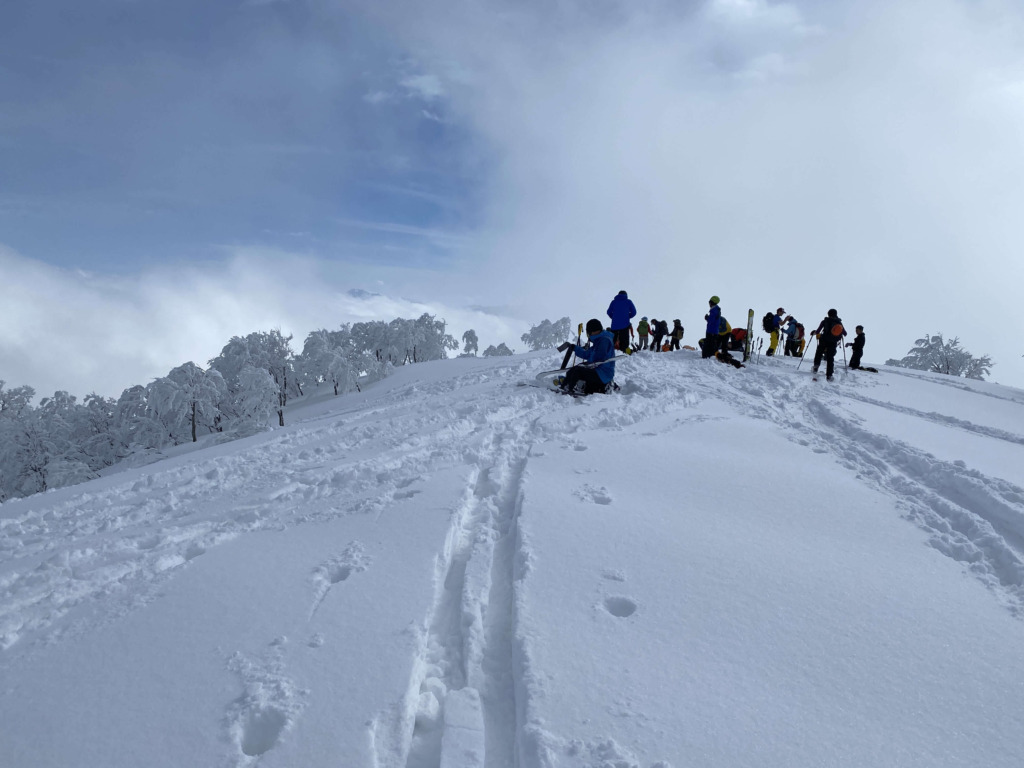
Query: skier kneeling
{"x": 582, "y": 380}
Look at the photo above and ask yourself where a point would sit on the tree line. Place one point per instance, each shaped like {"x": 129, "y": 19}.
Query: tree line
{"x": 243, "y": 390}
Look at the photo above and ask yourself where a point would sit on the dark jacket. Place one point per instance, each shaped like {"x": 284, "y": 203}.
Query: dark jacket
{"x": 602, "y": 347}
{"x": 825, "y": 331}
{"x": 621, "y": 311}
{"x": 858, "y": 343}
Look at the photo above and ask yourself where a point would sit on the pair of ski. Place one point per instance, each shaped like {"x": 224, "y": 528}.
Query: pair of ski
{"x": 550, "y": 379}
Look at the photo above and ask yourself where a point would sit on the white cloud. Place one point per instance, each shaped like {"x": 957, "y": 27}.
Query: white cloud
{"x": 63, "y": 329}
{"x": 427, "y": 87}
{"x": 871, "y": 165}
{"x": 378, "y": 97}
{"x": 778, "y": 15}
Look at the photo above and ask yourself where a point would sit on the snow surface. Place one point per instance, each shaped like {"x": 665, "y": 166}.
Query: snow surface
{"x": 715, "y": 567}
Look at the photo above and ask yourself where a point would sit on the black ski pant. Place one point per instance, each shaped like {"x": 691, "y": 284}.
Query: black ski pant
{"x": 710, "y": 346}
{"x": 622, "y": 339}
{"x": 828, "y": 351}
{"x": 855, "y": 358}
{"x": 591, "y": 380}
{"x": 675, "y": 343}
{"x": 656, "y": 342}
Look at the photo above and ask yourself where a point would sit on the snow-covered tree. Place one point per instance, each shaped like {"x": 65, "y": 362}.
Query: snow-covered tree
{"x": 547, "y": 334}
{"x": 38, "y": 449}
{"x": 25, "y": 454}
{"x": 267, "y": 350}
{"x": 498, "y": 351}
{"x": 95, "y": 430}
{"x": 135, "y": 429}
{"x": 404, "y": 341}
{"x": 429, "y": 339}
{"x": 256, "y": 397}
{"x": 472, "y": 343}
{"x": 186, "y": 398}
{"x": 330, "y": 356}
{"x": 934, "y": 353}
{"x": 13, "y": 402}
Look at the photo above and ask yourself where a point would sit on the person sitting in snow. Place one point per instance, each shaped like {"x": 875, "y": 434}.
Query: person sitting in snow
{"x": 585, "y": 380}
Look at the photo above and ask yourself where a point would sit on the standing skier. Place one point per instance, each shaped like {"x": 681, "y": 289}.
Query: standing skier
{"x": 858, "y": 347}
{"x": 582, "y": 380}
{"x": 658, "y": 330}
{"x": 621, "y": 311}
{"x": 791, "y": 331}
{"x": 714, "y": 315}
{"x": 677, "y": 333}
{"x": 776, "y": 325}
{"x": 642, "y": 329}
{"x": 830, "y": 334}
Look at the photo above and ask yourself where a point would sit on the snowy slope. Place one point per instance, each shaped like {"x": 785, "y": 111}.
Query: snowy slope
{"x": 714, "y": 568}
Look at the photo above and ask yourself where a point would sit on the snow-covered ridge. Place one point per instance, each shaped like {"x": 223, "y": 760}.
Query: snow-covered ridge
{"x": 715, "y": 567}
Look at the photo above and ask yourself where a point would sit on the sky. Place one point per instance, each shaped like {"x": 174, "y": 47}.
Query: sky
{"x": 166, "y": 166}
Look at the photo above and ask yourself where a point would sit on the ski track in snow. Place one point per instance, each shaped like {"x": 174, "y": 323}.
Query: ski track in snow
{"x": 942, "y": 420}
{"x": 467, "y": 699}
{"x": 973, "y": 518}
{"x": 463, "y": 683}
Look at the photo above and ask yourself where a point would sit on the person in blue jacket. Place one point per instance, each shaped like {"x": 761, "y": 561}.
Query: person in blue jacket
{"x": 714, "y": 315}
{"x": 586, "y": 380}
{"x": 621, "y": 311}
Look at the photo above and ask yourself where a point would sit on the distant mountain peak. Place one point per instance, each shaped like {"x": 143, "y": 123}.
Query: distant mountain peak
{"x": 359, "y": 293}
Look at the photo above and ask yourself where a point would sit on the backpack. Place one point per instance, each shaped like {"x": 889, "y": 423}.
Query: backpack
{"x": 723, "y": 326}
{"x": 768, "y": 322}
{"x": 663, "y": 327}
{"x": 799, "y": 331}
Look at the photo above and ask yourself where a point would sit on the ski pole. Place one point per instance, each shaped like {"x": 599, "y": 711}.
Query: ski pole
{"x": 846, "y": 367}
{"x": 579, "y": 336}
{"x": 817, "y": 341}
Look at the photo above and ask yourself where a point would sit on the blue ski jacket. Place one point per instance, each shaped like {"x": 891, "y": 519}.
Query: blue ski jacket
{"x": 713, "y": 321}
{"x": 621, "y": 311}
{"x": 602, "y": 347}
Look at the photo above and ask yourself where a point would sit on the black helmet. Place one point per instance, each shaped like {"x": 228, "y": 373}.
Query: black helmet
{"x": 833, "y": 313}
{"x": 594, "y": 326}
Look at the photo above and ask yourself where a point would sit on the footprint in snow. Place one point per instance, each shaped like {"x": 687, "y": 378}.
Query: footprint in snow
{"x": 595, "y": 495}
{"x": 620, "y": 607}
{"x": 336, "y": 570}
{"x": 268, "y": 706}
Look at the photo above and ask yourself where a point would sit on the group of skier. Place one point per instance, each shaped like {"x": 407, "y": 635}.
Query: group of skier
{"x": 652, "y": 333}
{"x": 598, "y": 372}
